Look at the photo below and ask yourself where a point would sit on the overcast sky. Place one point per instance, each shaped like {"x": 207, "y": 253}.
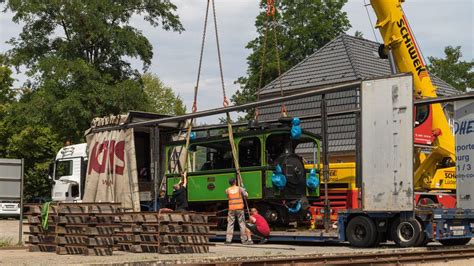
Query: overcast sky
{"x": 436, "y": 24}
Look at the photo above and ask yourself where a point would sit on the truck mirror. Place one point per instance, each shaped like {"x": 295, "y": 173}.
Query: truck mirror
{"x": 50, "y": 171}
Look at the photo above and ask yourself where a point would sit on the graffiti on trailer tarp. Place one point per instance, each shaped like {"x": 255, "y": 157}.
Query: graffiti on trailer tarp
{"x": 108, "y": 151}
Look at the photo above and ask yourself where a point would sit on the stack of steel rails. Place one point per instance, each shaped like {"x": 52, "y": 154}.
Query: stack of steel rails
{"x": 86, "y": 228}
{"x": 173, "y": 232}
{"x": 100, "y": 228}
{"x": 40, "y": 238}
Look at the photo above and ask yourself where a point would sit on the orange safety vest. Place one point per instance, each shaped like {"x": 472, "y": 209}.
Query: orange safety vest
{"x": 235, "y": 198}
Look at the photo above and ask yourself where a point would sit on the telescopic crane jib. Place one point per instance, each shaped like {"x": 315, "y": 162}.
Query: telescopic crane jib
{"x": 431, "y": 171}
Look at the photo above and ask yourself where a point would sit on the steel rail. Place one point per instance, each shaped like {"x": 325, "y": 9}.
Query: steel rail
{"x": 466, "y": 96}
{"x": 269, "y": 121}
{"x": 405, "y": 256}
{"x": 13, "y": 248}
{"x": 235, "y": 108}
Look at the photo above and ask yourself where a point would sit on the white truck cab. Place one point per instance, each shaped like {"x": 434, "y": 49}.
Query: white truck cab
{"x": 69, "y": 173}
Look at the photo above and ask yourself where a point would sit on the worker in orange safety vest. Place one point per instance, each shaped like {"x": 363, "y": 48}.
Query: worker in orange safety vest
{"x": 236, "y": 195}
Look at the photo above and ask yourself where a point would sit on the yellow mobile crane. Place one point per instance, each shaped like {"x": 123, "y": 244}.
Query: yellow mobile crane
{"x": 435, "y": 171}
{"x": 435, "y": 174}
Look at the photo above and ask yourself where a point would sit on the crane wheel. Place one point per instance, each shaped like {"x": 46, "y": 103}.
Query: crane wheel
{"x": 406, "y": 232}
{"x": 361, "y": 232}
{"x": 382, "y": 52}
{"x": 455, "y": 241}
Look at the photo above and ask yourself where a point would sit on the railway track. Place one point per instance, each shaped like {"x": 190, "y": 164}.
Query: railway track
{"x": 366, "y": 258}
{"x": 13, "y": 248}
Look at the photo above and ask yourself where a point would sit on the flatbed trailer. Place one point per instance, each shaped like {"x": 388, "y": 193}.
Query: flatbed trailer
{"x": 448, "y": 226}
{"x": 386, "y": 197}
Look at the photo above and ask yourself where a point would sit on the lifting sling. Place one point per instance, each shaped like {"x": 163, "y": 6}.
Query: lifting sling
{"x": 271, "y": 19}
{"x": 225, "y": 104}
{"x": 184, "y": 174}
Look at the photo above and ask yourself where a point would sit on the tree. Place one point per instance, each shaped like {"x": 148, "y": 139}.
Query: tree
{"x": 7, "y": 96}
{"x": 6, "y": 81}
{"x": 358, "y": 34}
{"x": 75, "y": 53}
{"x": 162, "y": 98}
{"x": 451, "y": 69}
{"x": 302, "y": 28}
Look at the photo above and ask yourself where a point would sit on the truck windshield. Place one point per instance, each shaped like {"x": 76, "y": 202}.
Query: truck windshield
{"x": 63, "y": 168}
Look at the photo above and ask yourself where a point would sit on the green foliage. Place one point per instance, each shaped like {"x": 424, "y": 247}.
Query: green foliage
{"x": 96, "y": 31}
{"x": 6, "y": 82}
{"x": 303, "y": 27}
{"x": 451, "y": 69}
{"x": 7, "y": 96}
{"x": 37, "y": 145}
{"x": 359, "y": 34}
{"x": 75, "y": 53}
{"x": 162, "y": 98}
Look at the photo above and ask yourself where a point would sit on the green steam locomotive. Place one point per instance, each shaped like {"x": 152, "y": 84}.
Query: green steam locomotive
{"x": 262, "y": 151}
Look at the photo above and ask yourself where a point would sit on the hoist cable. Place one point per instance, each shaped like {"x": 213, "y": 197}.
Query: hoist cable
{"x": 271, "y": 13}
{"x": 262, "y": 65}
{"x": 194, "y": 108}
{"x": 370, "y": 20}
{"x": 200, "y": 58}
{"x": 277, "y": 54}
{"x": 226, "y": 103}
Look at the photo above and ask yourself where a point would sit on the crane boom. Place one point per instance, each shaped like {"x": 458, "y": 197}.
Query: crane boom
{"x": 431, "y": 171}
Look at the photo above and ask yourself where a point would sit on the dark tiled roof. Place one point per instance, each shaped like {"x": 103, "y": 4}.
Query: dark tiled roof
{"x": 345, "y": 58}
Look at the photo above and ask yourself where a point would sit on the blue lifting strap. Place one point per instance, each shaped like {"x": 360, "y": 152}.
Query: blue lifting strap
{"x": 313, "y": 181}
{"x": 295, "y": 128}
{"x": 278, "y": 178}
{"x": 295, "y": 208}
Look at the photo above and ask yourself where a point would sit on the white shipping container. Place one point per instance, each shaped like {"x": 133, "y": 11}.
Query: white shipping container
{"x": 464, "y": 134}
{"x": 387, "y": 144}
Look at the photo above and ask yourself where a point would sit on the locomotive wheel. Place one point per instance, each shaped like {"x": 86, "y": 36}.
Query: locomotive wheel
{"x": 455, "y": 241}
{"x": 271, "y": 216}
{"x": 406, "y": 233}
{"x": 361, "y": 232}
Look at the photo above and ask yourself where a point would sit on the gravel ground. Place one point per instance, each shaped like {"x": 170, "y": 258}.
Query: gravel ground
{"x": 9, "y": 229}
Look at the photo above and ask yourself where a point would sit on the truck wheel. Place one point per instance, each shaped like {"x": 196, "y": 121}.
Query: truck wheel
{"x": 423, "y": 240}
{"x": 455, "y": 241}
{"x": 361, "y": 232}
{"x": 406, "y": 233}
